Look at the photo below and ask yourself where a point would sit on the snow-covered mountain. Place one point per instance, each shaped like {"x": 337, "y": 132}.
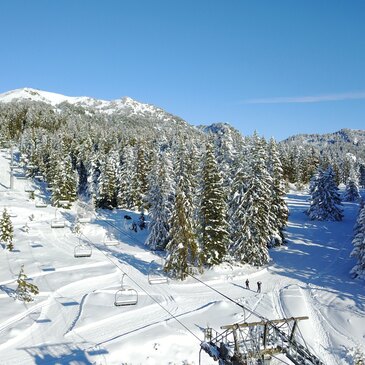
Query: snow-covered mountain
{"x": 133, "y": 117}
{"x": 348, "y": 136}
{"x": 124, "y": 106}
{"x": 337, "y": 143}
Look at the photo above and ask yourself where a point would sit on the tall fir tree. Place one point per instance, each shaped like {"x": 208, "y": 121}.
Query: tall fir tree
{"x": 182, "y": 249}
{"x": 213, "y": 212}
{"x": 352, "y": 193}
{"x": 362, "y": 175}
{"x": 108, "y": 182}
{"x": 160, "y": 201}
{"x": 7, "y": 230}
{"x": 358, "y": 242}
{"x": 249, "y": 209}
{"x": 325, "y": 201}
{"x": 139, "y": 179}
{"x": 128, "y": 179}
{"x": 278, "y": 208}
{"x": 64, "y": 181}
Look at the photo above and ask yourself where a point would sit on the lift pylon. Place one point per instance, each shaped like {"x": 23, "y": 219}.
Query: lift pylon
{"x": 256, "y": 342}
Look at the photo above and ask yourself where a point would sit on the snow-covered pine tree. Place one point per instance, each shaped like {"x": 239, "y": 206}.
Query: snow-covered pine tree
{"x": 93, "y": 173}
{"x": 160, "y": 201}
{"x": 139, "y": 179}
{"x": 7, "y": 230}
{"x": 278, "y": 209}
{"x": 127, "y": 176}
{"x": 64, "y": 183}
{"x": 182, "y": 249}
{"x": 82, "y": 186}
{"x": 249, "y": 208}
{"x": 309, "y": 165}
{"x": 213, "y": 225}
{"x": 362, "y": 175}
{"x": 352, "y": 193}
{"x": 25, "y": 290}
{"x": 325, "y": 201}
{"x": 108, "y": 182}
{"x": 358, "y": 241}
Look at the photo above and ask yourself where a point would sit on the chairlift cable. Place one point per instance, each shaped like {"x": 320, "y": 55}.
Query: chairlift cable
{"x": 227, "y": 297}
{"x": 244, "y": 307}
{"x": 106, "y": 254}
{"x": 284, "y": 362}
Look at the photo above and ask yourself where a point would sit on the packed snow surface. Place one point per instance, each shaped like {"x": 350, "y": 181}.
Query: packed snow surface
{"x": 74, "y": 320}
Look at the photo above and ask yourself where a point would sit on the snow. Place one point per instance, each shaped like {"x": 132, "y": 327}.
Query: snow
{"x": 73, "y": 319}
{"x": 125, "y": 104}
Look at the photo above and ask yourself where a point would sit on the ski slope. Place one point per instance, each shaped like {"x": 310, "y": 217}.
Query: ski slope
{"x": 74, "y": 321}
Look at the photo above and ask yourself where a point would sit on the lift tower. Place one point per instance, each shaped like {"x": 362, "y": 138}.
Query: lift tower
{"x": 256, "y": 343}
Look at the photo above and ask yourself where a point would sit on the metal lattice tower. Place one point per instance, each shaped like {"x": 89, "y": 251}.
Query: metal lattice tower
{"x": 255, "y": 343}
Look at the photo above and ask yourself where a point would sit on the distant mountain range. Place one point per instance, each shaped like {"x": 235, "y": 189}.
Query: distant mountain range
{"x": 124, "y": 106}
{"x": 131, "y": 111}
{"x": 343, "y": 136}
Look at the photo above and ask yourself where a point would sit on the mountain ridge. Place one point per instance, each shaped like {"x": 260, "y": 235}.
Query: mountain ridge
{"x": 129, "y": 107}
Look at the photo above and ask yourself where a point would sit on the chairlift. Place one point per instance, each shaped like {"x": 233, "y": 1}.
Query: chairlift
{"x": 110, "y": 242}
{"x": 63, "y": 203}
{"x": 30, "y": 166}
{"x": 39, "y": 177}
{"x": 29, "y": 189}
{"x": 125, "y": 295}
{"x": 156, "y": 275}
{"x": 84, "y": 219}
{"x": 49, "y": 188}
{"x": 82, "y": 250}
{"x": 11, "y": 213}
{"x": 57, "y": 222}
{"x": 40, "y": 204}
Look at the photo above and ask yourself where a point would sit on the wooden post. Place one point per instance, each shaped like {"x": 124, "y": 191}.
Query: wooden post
{"x": 293, "y": 330}
{"x": 265, "y": 335}
{"x": 11, "y": 168}
{"x": 235, "y": 338}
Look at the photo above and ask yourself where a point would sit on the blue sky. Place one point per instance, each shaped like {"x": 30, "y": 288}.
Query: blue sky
{"x": 279, "y": 67}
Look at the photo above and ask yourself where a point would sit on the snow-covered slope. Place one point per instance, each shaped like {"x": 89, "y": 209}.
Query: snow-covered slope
{"x": 74, "y": 321}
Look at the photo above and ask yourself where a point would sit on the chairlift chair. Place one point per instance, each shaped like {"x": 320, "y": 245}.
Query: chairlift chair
{"x": 11, "y": 213}
{"x": 125, "y": 295}
{"x": 110, "y": 242}
{"x": 39, "y": 177}
{"x": 82, "y": 250}
{"x": 63, "y": 203}
{"x": 156, "y": 274}
{"x": 57, "y": 222}
{"x": 49, "y": 188}
{"x": 29, "y": 189}
{"x": 83, "y": 218}
{"x": 40, "y": 204}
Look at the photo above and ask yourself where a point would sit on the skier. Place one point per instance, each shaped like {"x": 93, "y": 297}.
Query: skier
{"x": 259, "y": 286}
{"x": 247, "y": 284}
{"x": 134, "y": 227}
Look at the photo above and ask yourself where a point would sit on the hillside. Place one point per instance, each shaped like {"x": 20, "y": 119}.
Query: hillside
{"x": 134, "y": 117}
{"x": 74, "y": 320}
{"x": 344, "y": 140}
